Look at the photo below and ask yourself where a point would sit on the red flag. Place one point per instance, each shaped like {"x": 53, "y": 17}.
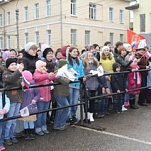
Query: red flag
{"x": 135, "y": 39}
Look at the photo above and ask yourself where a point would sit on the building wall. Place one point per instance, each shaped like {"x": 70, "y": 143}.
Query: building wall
{"x": 100, "y": 28}
{"x": 144, "y": 8}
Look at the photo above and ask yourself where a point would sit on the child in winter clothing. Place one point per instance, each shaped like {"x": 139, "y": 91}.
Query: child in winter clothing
{"x": 50, "y": 66}
{"x": 12, "y": 78}
{"x": 91, "y": 63}
{"x": 41, "y": 76}
{"x": 61, "y": 93}
{"x": 118, "y": 85}
{"x": 30, "y": 96}
{"x": 4, "y": 108}
{"x": 103, "y": 101}
{"x": 134, "y": 81}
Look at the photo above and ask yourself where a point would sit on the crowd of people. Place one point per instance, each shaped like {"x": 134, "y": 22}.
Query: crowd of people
{"x": 34, "y": 66}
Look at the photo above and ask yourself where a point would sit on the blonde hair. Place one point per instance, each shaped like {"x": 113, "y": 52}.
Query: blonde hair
{"x": 86, "y": 61}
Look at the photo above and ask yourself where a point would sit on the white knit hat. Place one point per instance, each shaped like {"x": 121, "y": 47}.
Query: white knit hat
{"x": 29, "y": 45}
{"x": 105, "y": 47}
{"x": 39, "y": 63}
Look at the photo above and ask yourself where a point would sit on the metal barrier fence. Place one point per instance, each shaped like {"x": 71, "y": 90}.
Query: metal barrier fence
{"x": 83, "y": 101}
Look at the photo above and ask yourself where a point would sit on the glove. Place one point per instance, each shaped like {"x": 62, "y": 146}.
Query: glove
{"x": 33, "y": 101}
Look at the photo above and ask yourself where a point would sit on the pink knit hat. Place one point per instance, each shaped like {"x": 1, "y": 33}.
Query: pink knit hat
{"x": 27, "y": 75}
{"x": 40, "y": 63}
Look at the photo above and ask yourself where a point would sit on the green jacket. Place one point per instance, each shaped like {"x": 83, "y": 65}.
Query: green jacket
{"x": 12, "y": 79}
{"x": 63, "y": 89}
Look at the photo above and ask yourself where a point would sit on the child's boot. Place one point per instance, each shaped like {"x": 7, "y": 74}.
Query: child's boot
{"x": 26, "y": 134}
{"x": 31, "y": 135}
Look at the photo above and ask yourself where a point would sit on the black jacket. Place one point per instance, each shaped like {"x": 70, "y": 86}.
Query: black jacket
{"x": 117, "y": 80}
{"x": 124, "y": 64}
{"x": 29, "y": 62}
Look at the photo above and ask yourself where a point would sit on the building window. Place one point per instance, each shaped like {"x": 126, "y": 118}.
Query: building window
{"x": 8, "y": 42}
{"x": 142, "y": 22}
{"x": 110, "y": 14}
{"x": 121, "y": 16}
{"x": 73, "y": 7}
{"x": 8, "y": 18}
{"x": 48, "y": 7}
{"x": 111, "y": 37}
{"x": 48, "y": 32}
{"x": 25, "y": 13}
{"x": 92, "y": 11}
{"x": 73, "y": 37}
{"x": 1, "y": 42}
{"x": 26, "y": 38}
{"x": 36, "y": 11}
{"x": 121, "y": 37}
{"x": 87, "y": 37}
{"x": 1, "y": 20}
{"x": 37, "y": 38}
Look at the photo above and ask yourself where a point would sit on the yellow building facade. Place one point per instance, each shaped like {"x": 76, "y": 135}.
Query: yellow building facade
{"x": 63, "y": 22}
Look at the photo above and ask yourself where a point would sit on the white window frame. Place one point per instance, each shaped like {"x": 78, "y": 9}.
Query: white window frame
{"x": 8, "y": 42}
{"x": 121, "y": 16}
{"x": 142, "y": 22}
{"x": 1, "y": 42}
{"x": 37, "y": 38}
{"x": 36, "y": 11}
{"x": 111, "y": 36}
{"x": 92, "y": 11}
{"x": 26, "y": 38}
{"x": 8, "y": 18}
{"x": 87, "y": 37}
{"x": 26, "y": 14}
{"x": 74, "y": 37}
{"x": 111, "y": 14}
{"x": 122, "y": 37}
{"x": 73, "y": 8}
{"x": 1, "y": 20}
{"x": 48, "y": 40}
{"x": 48, "y": 7}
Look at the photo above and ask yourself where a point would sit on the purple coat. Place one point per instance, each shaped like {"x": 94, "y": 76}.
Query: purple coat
{"x": 29, "y": 95}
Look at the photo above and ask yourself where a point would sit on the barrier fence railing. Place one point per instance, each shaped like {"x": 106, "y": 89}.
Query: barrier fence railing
{"x": 83, "y": 101}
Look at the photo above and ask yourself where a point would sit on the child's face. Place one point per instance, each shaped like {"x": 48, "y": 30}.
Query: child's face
{"x": 90, "y": 56}
{"x": 42, "y": 69}
{"x": 59, "y": 55}
{"x": 49, "y": 56}
{"x": 13, "y": 66}
{"x": 118, "y": 69}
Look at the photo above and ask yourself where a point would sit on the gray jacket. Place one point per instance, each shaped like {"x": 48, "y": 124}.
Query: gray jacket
{"x": 91, "y": 82}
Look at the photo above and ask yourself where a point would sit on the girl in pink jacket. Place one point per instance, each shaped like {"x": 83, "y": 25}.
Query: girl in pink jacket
{"x": 41, "y": 76}
{"x": 134, "y": 81}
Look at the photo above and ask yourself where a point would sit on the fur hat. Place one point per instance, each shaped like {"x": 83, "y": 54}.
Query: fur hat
{"x": 45, "y": 52}
{"x": 27, "y": 75}
{"x": 39, "y": 63}
{"x": 62, "y": 62}
{"x": 29, "y": 45}
{"x": 9, "y": 61}
{"x": 140, "y": 48}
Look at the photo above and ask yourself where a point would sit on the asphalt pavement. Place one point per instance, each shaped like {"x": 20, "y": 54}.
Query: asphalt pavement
{"x": 128, "y": 131}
